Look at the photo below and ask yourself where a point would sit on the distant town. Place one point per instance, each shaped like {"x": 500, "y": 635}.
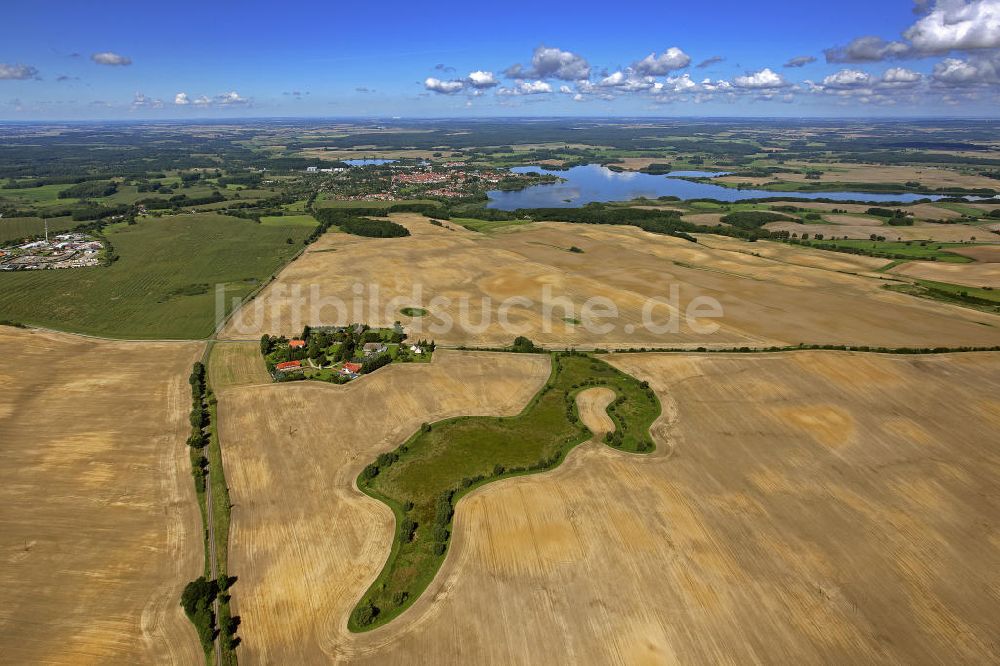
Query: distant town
{"x": 72, "y": 250}
{"x": 392, "y": 180}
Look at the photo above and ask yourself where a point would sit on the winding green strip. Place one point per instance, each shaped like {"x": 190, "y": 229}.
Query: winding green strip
{"x": 424, "y": 478}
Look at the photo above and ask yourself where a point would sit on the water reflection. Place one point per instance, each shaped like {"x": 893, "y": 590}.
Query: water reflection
{"x": 593, "y": 182}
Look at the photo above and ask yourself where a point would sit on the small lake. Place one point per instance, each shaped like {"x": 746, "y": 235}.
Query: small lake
{"x": 593, "y": 182}
{"x": 372, "y": 161}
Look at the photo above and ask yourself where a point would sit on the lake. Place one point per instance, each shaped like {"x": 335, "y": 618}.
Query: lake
{"x": 593, "y": 182}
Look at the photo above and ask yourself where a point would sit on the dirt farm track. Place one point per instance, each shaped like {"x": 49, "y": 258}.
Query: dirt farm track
{"x": 99, "y": 525}
{"x": 801, "y": 507}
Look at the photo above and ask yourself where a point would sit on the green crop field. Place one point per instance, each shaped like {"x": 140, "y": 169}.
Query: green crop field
{"x": 162, "y": 286}
{"x": 977, "y": 298}
{"x": 42, "y": 197}
{"x": 486, "y": 226}
{"x": 45, "y": 193}
{"x": 959, "y": 208}
{"x": 289, "y": 221}
{"x": 916, "y": 250}
{"x": 424, "y": 478}
{"x": 13, "y": 229}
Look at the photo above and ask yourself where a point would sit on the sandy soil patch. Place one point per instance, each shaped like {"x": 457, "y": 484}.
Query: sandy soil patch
{"x": 99, "y": 524}
{"x": 305, "y": 543}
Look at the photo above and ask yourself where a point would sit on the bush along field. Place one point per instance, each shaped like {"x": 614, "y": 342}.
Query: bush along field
{"x": 200, "y": 595}
{"x": 423, "y": 480}
{"x": 338, "y": 354}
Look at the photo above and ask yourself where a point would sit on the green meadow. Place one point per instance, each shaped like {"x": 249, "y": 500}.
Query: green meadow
{"x": 164, "y": 283}
{"x": 424, "y": 478}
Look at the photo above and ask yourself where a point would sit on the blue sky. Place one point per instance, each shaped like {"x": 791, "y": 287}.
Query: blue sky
{"x": 68, "y": 60}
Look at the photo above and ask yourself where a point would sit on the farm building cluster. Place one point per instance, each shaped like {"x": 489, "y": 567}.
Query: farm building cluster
{"x": 72, "y": 250}
{"x": 339, "y": 354}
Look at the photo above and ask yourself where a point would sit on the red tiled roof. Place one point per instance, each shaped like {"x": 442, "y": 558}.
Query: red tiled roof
{"x": 287, "y": 365}
{"x": 296, "y": 344}
{"x": 352, "y": 367}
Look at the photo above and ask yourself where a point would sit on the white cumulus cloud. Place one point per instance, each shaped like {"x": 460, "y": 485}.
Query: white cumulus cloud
{"x": 658, "y": 65}
{"x": 552, "y": 63}
{"x": 140, "y": 101}
{"x": 481, "y": 79}
{"x": 869, "y": 48}
{"x": 17, "y": 72}
{"x": 443, "y": 87}
{"x": 110, "y": 58}
{"x": 847, "y": 78}
{"x": 761, "y": 80}
{"x": 231, "y": 98}
{"x": 527, "y": 88}
{"x": 970, "y": 72}
{"x": 957, "y": 25}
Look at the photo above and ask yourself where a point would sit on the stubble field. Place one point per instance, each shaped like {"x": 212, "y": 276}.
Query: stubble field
{"x": 305, "y": 543}
{"x": 99, "y": 524}
{"x": 810, "y": 507}
{"x": 792, "y": 296}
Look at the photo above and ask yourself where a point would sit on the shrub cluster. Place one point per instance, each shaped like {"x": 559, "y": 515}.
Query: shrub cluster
{"x": 197, "y": 600}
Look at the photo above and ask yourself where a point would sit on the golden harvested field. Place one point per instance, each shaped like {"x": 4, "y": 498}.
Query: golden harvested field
{"x": 948, "y": 233}
{"x": 971, "y": 275}
{"x": 236, "y": 364}
{"x": 877, "y": 173}
{"x": 813, "y": 507}
{"x": 305, "y": 543}
{"x": 989, "y": 254}
{"x": 820, "y": 206}
{"x": 920, "y": 211}
{"x": 593, "y": 407}
{"x": 932, "y": 212}
{"x": 705, "y": 219}
{"x": 854, "y": 221}
{"x": 99, "y": 522}
{"x": 765, "y": 300}
{"x": 796, "y": 255}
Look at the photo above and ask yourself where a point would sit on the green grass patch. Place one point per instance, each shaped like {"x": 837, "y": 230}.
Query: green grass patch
{"x": 289, "y": 221}
{"x": 959, "y": 208}
{"x": 704, "y": 205}
{"x": 38, "y": 195}
{"x": 13, "y": 229}
{"x": 906, "y": 250}
{"x": 977, "y": 298}
{"x": 413, "y": 312}
{"x": 150, "y": 291}
{"x": 424, "y": 478}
